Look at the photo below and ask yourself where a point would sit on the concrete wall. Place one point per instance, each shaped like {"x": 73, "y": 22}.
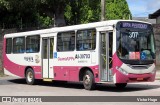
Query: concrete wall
{"x": 156, "y": 28}
{"x": 158, "y": 20}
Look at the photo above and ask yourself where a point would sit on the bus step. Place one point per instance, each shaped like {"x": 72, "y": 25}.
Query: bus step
{"x": 47, "y": 79}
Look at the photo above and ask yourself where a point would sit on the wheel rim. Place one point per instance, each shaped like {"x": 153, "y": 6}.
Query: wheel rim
{"x": 30, "y": 76}
{"x": 87, "y": 80}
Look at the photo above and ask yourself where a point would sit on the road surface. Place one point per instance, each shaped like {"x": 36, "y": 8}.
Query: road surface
{"x": 10, "y": 86}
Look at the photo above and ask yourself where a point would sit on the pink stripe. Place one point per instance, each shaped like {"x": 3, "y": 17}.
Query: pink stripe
{"x": 71, "y": 73}
{"x": 19, "y": 70}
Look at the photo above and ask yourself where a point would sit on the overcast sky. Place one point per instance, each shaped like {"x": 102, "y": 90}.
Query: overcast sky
{"x": 141, "y": 8}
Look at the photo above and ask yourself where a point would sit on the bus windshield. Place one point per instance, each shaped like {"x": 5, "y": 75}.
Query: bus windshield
{"x": 135, "y": 43}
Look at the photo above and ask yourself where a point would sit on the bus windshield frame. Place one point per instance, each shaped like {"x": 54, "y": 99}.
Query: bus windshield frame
{"x": 135, "y": 43}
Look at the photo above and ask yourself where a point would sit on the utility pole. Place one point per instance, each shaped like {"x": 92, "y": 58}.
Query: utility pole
{"x": 103, "y": 4}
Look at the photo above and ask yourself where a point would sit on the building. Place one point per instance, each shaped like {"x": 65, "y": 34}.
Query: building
{"x": 155, "y": 15}
{"x": 156, "y": 27}
{"x": 146, "y": 19}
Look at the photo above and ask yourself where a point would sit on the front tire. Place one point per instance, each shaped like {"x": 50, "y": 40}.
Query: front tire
{"x": 30, "y": 77}
{"x": 88, "y": 80}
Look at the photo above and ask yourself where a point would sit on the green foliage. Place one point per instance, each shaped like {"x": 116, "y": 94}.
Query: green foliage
{"x": 68, "y": 13}
{"x": 17, "y": 12}
{"x": 44, "y": 21}
{"x": 117, "y": 9}
{"x": 89, "y": 11}
{"x": 42, "y": 12}
{"x": 82, "y": 11}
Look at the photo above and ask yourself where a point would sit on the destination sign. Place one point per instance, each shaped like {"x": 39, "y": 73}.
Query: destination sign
{"x": 133, "y": 25}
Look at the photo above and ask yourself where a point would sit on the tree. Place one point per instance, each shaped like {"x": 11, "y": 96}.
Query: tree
{"x": 117, "y": 9}
{"x": 46, "y": 13}
{"x": 79, "y": 12}
{"x": 41, "y": 12}
{"x": 82, "y": 11}
{"x": 53, "y": 9}
{"x": 17, "y": 12}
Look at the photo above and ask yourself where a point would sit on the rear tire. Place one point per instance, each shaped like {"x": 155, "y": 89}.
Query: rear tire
{"x": 30, "y": 77}
{"x": 121, "y": 85}
{"x": 88, "y": 80}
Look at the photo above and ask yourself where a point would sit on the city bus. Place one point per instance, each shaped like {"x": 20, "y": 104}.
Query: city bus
{"x": 113, "y": 51}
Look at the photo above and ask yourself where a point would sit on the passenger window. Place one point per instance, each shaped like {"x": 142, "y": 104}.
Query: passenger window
{"x": 8, "y": 46}
{"x": 19, "y": 45}
{"x": 86, "y": 40}
{"x": 66, "y": 41}
{"x": 32, "y": 44}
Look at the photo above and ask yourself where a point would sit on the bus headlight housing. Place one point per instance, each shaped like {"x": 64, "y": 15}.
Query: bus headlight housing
{"x": 122, "y": 70}
{"x": 153, "y": 71}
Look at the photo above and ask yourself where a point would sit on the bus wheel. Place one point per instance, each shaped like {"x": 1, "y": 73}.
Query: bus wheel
{"x": 121, "y": 85}
{"x": 30, "y": 79}
{"x": 88, "y": 80}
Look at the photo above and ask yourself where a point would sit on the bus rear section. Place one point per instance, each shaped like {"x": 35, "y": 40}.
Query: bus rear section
{"x": 21, "y": 54}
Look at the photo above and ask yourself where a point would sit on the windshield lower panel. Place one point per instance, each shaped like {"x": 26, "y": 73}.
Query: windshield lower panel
{"x": 135, "y": 45}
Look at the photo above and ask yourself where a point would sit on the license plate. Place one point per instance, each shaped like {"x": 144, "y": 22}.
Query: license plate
{"x": 139, "y": 79}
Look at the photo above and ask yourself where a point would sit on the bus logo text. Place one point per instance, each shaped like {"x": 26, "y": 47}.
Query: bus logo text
{"x": 66, "y": 59}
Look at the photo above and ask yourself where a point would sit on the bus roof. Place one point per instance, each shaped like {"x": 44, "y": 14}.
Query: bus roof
{"x": 68, "y": 28}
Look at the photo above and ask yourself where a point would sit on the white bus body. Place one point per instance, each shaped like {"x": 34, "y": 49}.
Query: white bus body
{"x": 86, "y": 52}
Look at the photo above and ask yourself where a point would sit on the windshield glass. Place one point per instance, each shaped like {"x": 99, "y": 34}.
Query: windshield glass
{"x": 135, "y": 41}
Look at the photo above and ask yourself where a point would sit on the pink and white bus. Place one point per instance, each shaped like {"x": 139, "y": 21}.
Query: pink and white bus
{"x": 114, "y": 51}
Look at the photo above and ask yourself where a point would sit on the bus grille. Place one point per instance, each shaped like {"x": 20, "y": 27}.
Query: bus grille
{"x": 139, "y": 66}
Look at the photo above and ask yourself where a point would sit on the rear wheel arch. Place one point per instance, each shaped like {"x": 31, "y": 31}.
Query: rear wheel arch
{"x": 26, "y": 70}
{"x": 30, "y": 76}
{"x": 83, "y": 71}
{"x": 88, "y": 80}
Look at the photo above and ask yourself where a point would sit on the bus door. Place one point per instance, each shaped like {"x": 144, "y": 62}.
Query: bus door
{"x": 106, "y": 46}
{"x": 47, "y": 57}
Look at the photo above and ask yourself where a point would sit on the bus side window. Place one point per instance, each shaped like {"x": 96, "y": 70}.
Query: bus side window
{"x": 66, "y": 41}
{"x": 86, "y": 40}
{"x": 8, "y": 45}
{"x": 72, "y": 43}
{"x": 32, "y": 44}
{"x": 19, "y": 45}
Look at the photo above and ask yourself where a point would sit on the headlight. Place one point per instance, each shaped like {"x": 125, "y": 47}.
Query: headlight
{"x": 122, "y": 70}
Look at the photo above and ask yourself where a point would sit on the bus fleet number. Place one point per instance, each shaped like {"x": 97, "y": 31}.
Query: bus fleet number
{"x": 133, "y": 35}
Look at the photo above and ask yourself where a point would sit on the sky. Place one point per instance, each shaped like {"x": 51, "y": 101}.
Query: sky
{"x": 142, "y": 8}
